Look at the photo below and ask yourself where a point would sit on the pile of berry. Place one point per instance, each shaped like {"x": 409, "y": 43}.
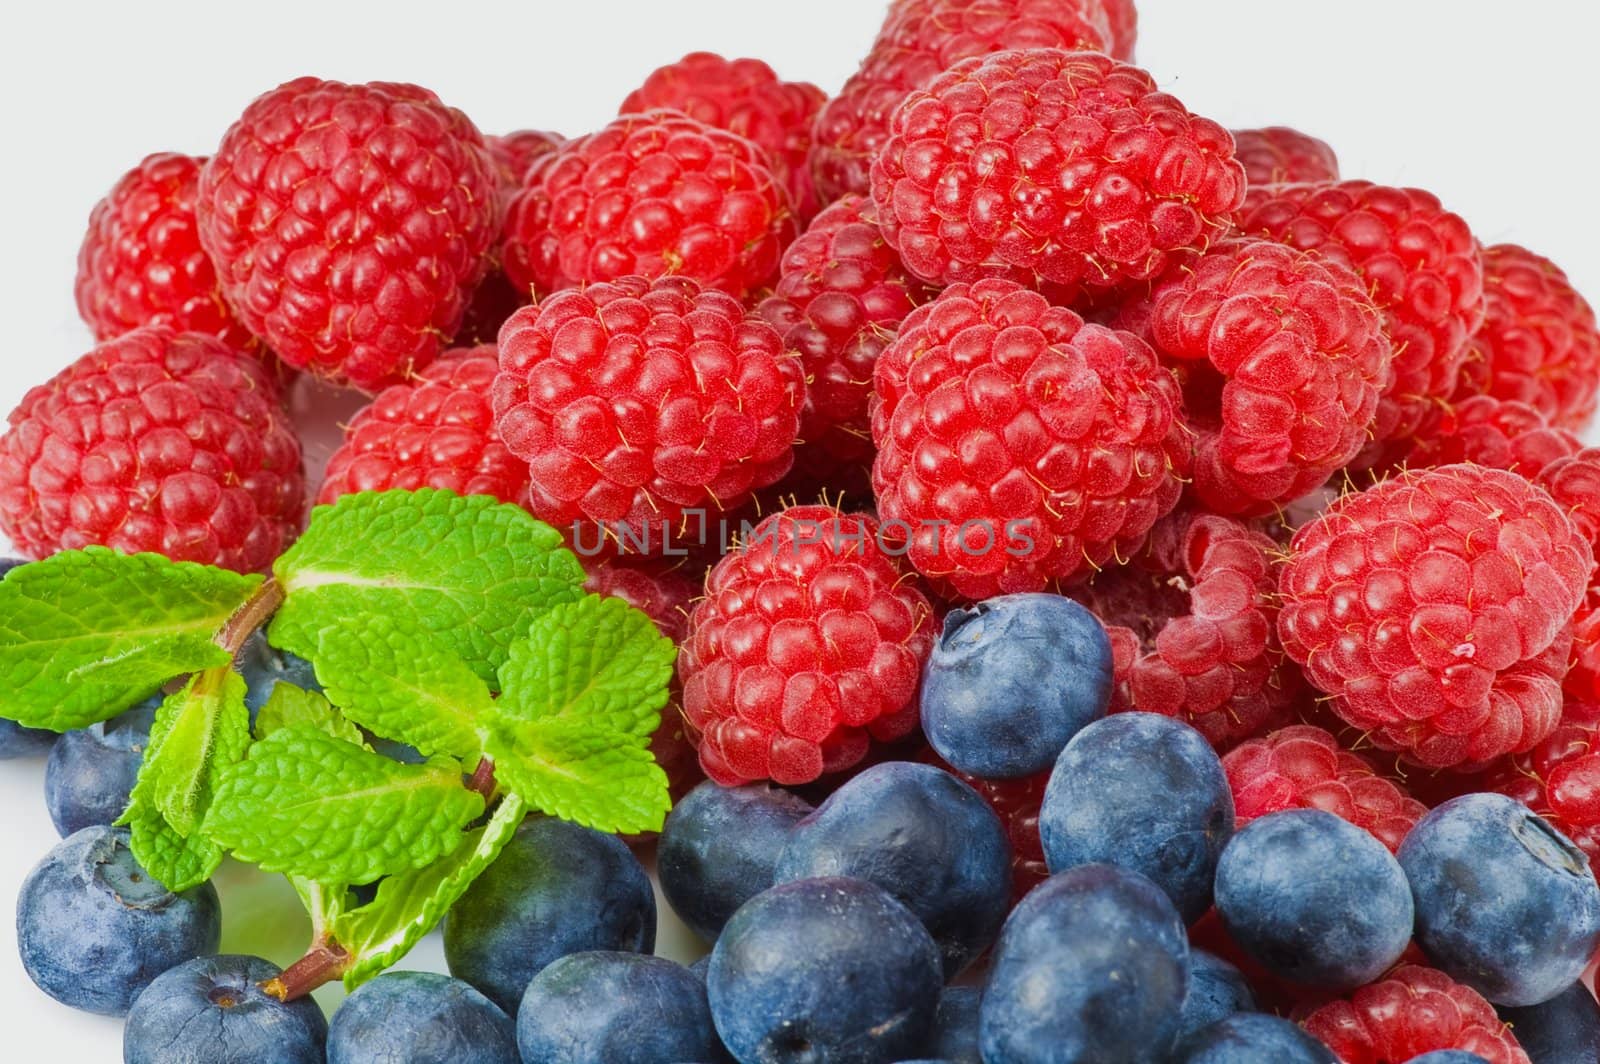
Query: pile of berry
{"x": 1134, "y": 588}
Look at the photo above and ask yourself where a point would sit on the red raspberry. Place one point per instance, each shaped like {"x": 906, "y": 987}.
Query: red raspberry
{"x": 1278, "y": 155}
{"x": 746, "y": 97}
{"x": 1191, "y": 626}
{"x": 1436, "y": 609}
{"x": 1419, "y": 262}
{"x": 919, "y": 40}
{"x": 1415, "y": 1010}
{"x": 154, "y": 441}
{"x": 1499, "y": 433}
{"x": 1283, "y": 359}
{"x": 434, "y": 431}
{"x": 1304, "y": 767}
{"x": 1044, "y": 166}
{"x": 653, "y": 194}
{"x": 1560, "y": 778}
{"x": 1573, "y": 481}
{"x": 514, "y": 153}
{"x": 1018, "y": 446}
{"x": 1016, "y": 802}
{"x": 808, "y": 640}
{"x": 141, "y": 262}
{"x": 636, "y": 401}
{"x": 1538, "y": 342}
{"x": 349, "y": 224}
{"x": 1124, "y": 27}
{"x": 840, "y": 297}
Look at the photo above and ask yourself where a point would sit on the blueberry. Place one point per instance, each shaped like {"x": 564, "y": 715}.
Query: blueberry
{"x": 211, "y": 1011}
{"x": 1252, "y": 1038}
{"x": 19, "y": 742}
{"x": 615, "y": 1008}
{"x": 1217, "y": 990}
{"x": 923, "y": 836}
{"x": 556, "y": 889}
{"x": 1449, "y": 1056}
{"x": 1505, "y": 903}
{"x": 420, "y": 1018}
{"x": 1315, "y": 899}
{"x": 94, "y": 929}
{"x": 1011, "y": 680}
{"x": 262, "y": 665}
{"x": 1564, "y": 1030}
{"x": 1146, "y": 793}
{"x": 820, "y": 970}
{"x": 1092, "y": 966}
{"x": 91, "y": 772}
{"x": 718, "y": 849}
{"x": 955, "y": 1027}
{"x": 8, "y": 564}
{"x": 701, "y": 967}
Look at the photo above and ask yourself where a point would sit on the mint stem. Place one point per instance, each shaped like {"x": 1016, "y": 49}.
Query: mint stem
{"x": 252, "y": 615}
{"x": 322, "y": 964}
{"x": 482, "y": 780}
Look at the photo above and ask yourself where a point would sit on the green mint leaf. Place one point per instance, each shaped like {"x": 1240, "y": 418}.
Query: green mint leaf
{"x": 465, "y": 570}
{"x": 409, "y": 905}
{"x": 176, "y": 862}
{"x": 289, "y": 704}
{"x": 322, "y": 808}
{"x": 401, "y": 684}
{"x": 198, "y": 732}
{"x": 85, "y": 634}
{"x": 580, "y": 696}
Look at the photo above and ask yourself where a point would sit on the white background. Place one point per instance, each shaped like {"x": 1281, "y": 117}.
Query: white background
{"x": 1489, "y": 105}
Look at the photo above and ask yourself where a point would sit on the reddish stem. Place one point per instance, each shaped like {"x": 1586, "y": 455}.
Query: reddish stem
{"x": 482, "y": 780}
{"x": 323, "y": 964}
{"x": 252, "y": 615}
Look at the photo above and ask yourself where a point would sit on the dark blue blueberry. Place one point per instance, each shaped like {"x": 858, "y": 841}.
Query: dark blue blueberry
{"x": 926, "y": 838}
{"x": 1315, "y": 899}
{"x": 94, "y": 929}
{"x": 8, "y": 564}
{"x": 556, "y": 889}
{"x": 1217, "y": 990}
{"x": 1449, "y": 1056}
{"x": 262, "y": 665}
{"x": 701, "y": 967}
{"x": 91, "y": 772}
{"x": 1564, "y": 1030}
{"x": 1505, "y": 903}
{"x": 1011, "y": 680}
{"x": 1092, "y": 966}
{"x": 420, "y": 1018}
{"x": 1146, "y": 793}
{"x": 824, "y": 970}
{"x": 211, "y": 1011}
{"x": 955, "y": 1027}
{"x": 18, "y": 742}
{"x": 395, "y": 751}
{"x": 718, "y": 849}
{"x": 615, "y": 1008}
{"x": 1252, "y": 1038}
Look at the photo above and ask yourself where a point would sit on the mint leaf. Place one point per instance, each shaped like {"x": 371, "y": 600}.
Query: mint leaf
{"x": 176, "y": 862}
{"x": 197, "y": 732}
{"x": 401, "y": 684}
{"x": 465, "y": 570}
{"x": 85, "y": 634}
{"x": 289, "y": 704}
{"x": 409, "y": 905}
{"x": 580, "y": 696}
{"x": 322, "y": 808}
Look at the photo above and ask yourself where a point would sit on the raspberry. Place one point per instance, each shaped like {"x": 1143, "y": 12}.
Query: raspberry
{"x": 1278, "y": 155}
{"x": 1538, "y": 343}
{"x": 1283, "y": 358}
{"x": 1017, "y": 804}
{"x": 1304, "y": 767}
{"x": 1573, "y": 481}
{"x": 349, "y": 224}
{"x": 1499, "y": 433}
{"x": 1124, "y": 22}
{"x": 1191, "y": 626}
{"x": 1422, "y": 267}
{"x": 1436, "y": 609}
{"x": 1560, "y": 778}
{"x": 743, "y": 96}
{"x": 141, "y": 262}
{"x": 434, "y": 431}
{"x": 841, "y": 295}
{"x": 154, "y": 441}
{"x": 1415, "y": 1010}
{"x": 636, "y": 401}
{"x": 1017, "y": 446}
{"x": 1044, "y": 166}
{"x": 808, "y": 640}
{"x": 919, "y": 40}
{"x": 652, "y": 194}
{"x": 514, "y": 153}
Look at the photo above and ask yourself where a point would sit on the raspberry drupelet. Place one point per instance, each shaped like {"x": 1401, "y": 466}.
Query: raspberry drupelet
{"x": 1501, "y": 433}
{"x": 1283, "y": 357}
{"x": 651, "y": 194}
{"x": 1414, "y": 1010}
{"x": 154, "y": 441}
{"x": 1066, "y": 169}
{"x": 1436, "y": 608}
{"x": 1279, "y": 155}
{"x": 809, "y": 640}
{"x": 349, "y": 224}
{"x": 1018, "y": 447}
{"x": 1560, "y": 778}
